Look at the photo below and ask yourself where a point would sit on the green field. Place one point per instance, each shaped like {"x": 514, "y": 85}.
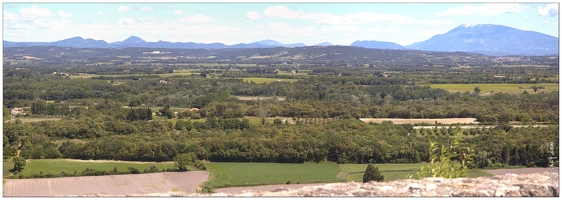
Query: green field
{"x": 268, "y": 80}
{"x": 290, "y": 73}
{"x": 496, "y": 88}
{"x": 240, "y": 174}
{"x": 395, "y": 171}
{"x": 33, "y": 119}
{"x": 56, "y": 166}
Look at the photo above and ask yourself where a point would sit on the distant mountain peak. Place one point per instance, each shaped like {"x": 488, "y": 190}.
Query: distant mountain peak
{"x": 323, "y": 44}
{"x": 269, "y": 42}
{"x": 134, "y": 39}
{"x": 490, "y": 39}
{"x": 373, "y": 44}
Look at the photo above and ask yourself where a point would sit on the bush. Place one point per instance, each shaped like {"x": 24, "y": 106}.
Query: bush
{"x": 372, "y": 173}
{"x": 133, "y": 170}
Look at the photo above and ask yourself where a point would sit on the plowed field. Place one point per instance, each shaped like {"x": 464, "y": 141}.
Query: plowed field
{"x": 154, "y": 184}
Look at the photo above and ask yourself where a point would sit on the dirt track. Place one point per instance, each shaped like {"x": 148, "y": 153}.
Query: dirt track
{"x": 155, "y": 184}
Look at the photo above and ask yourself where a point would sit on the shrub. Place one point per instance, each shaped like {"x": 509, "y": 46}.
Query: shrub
{"x": 372, "y": 173}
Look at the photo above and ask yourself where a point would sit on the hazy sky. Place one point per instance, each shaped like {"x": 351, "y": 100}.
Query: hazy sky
{"x": 231, "y": 23}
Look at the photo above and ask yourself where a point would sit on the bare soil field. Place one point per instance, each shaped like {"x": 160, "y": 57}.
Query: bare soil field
{"x": 154, "y": 184}
{"x": 429, "y": 121}
{"x": 235, "y": 190}
{"x": 521, "y": 171}
{"x": 249, "y": 98}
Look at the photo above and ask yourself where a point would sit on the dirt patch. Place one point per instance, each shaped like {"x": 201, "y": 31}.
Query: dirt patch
{"x": 416, "y": 121}
{"x": 522, "y": 171}
{"x": 270, "y": 188}
{"x": 155, "y": 184}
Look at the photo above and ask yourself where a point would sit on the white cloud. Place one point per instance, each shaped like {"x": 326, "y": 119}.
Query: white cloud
{"x": 339, "y": 28}
{"x": 280, "y": 11}
{"x": 279, "y": 26}
{"x": 198, "y": 19}
{"x": 383, "y": 30}
{"x": 253, "y": 15}
{"x": 177, "y": 12}
{"x": 484, "y": 10}
{"x": 64, "y": 14}
{"x": 9, "y": 16}
{"x": 50, "y": 24}
{"x": 148, "y": 8}
{"x": 550, "y": 10}
{"x": 124, "y": 8}
{"x": 99, "y": 12}
{"x": 352, "y": 18}
{"x": 126, "y": 21}
{"x": 34, "y": 12}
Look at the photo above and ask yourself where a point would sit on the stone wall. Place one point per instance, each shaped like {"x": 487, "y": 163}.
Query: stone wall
{"x": 510, "y": 185}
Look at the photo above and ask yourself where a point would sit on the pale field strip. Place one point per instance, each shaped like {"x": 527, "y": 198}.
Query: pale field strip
{"x": 153, "y": 184}
{"x": 415, "y": 121}
{"x": 487, "y": 126}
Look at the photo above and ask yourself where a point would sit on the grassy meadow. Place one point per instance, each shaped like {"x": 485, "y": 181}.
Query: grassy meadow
{"x": 56, "y": 166}
{"x": 240, "y": 174}
{"x": 497, "y": 88}
{"x": 268, "y": 80}
{"x": 393, "y": 172}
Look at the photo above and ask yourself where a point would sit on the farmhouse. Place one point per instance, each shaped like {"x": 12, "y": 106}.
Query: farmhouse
{"x": 16, "y": 111}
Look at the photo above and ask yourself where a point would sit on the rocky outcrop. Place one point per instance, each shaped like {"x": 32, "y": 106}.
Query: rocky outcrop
{"x": 510, "y": 185}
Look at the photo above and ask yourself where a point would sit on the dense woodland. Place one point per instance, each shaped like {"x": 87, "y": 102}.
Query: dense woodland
{"x": 114, "y": 117}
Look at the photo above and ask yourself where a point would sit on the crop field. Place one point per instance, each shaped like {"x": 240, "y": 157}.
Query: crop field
{"x": 157, "y": 108}
{"x": 290, "y": 73}
{"x": 496, "y": 88}
{"x": 28, "y": 119}
{"x": 252, "y": 174}
{"x": 240, "y": 174}
{"x": 268, "y": 80}
{"x": 418, "y": 121}
{"x": 395, "y": 171}
{"x": 56, "y": 166}
{"x": 140, "y": 185}
{"x": 250, "y": 98}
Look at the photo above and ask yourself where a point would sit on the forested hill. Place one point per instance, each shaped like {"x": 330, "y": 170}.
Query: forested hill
{"x": 330, "y": 55}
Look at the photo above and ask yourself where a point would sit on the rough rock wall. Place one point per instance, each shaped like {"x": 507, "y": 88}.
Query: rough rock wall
{"x": 510, "y": 185}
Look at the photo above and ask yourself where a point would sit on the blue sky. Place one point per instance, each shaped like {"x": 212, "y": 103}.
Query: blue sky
{"x": 232, "y": 23}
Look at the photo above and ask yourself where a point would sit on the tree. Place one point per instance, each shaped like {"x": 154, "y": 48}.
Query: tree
{"x": 477, "y": 89}
{"x": 166, "y": 112}
{"x": 372, "y": 173}
{"x": 184, "y": 160}
{"x": 535, "y": 88}
{"x": 19, "y": 163}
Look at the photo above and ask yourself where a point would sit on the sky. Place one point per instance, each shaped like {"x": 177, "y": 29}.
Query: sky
{"x": 233, "y": 23}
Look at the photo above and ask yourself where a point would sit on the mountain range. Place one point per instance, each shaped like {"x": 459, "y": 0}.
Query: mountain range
{"x": 488, "y": 39}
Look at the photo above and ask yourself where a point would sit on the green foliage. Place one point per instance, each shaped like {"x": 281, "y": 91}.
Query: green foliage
{"x": 372, "y": 173}
{"x": 133, "y": 170}
{"x": 449, "y": 161}
{"x": 477, "y": 89}
{"x": 182, "y": 161}
{"x": 166, "y": 112}
{"x": 139, "y": 114}
{"x": 19, "y": 163}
